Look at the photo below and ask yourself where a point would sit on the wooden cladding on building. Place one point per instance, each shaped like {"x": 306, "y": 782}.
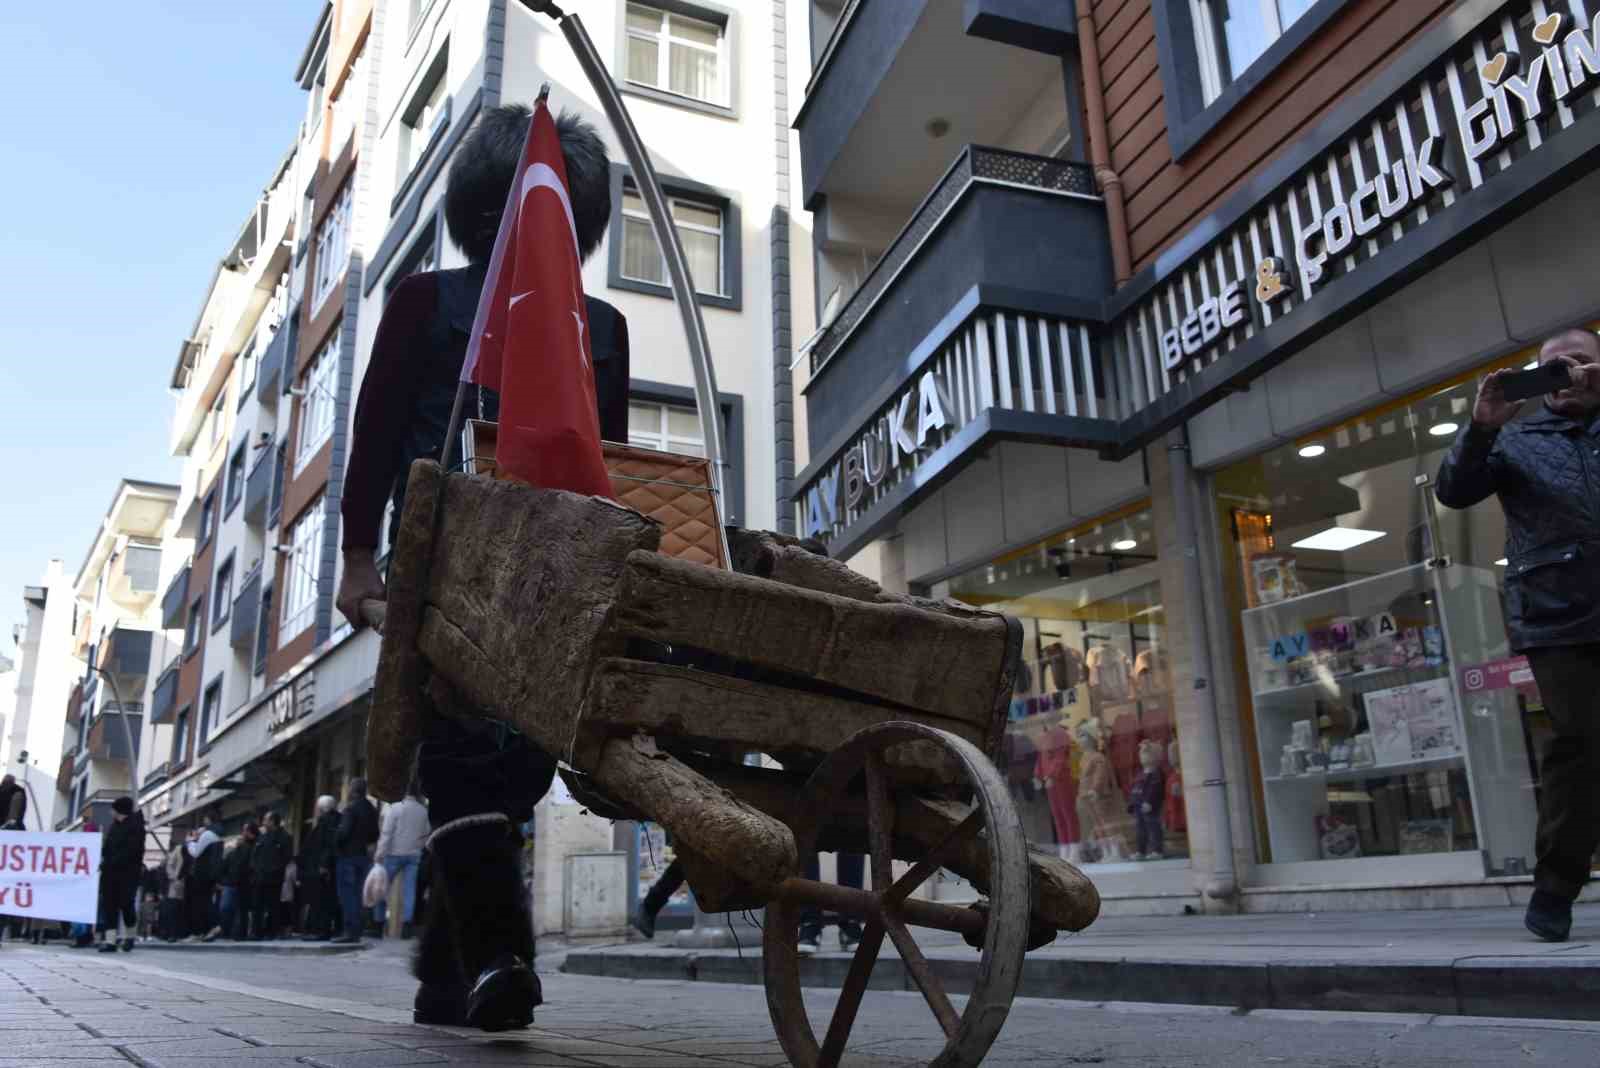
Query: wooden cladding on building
{"x": 1166, "y": 198}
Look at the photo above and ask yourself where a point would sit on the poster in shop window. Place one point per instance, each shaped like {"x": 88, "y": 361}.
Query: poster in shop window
{"x": 1413, "y": 722}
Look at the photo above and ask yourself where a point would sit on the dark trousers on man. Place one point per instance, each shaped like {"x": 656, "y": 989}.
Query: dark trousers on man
{"x": 201, "y": 912}
{"x": 117, "y": 894}
{"x": 1569, "y": 775}
{"x": 852, "y": 869}
{"x": 267, "y": 889}
{"x": 352, "y": 871}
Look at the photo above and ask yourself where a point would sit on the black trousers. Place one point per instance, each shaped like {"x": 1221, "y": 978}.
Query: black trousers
{"x": 202, "y": 911}
{"x": 1569, "y": 774}
{"x": 117, "y": 893}
{"x": 267, "y": 888}
{"x": 852, "y": 872}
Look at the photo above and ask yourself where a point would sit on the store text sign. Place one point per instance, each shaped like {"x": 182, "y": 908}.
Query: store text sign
{"x": 1519, "y": 91}
{"x": 896, "y": 439}
{"x": 49, "y": 876}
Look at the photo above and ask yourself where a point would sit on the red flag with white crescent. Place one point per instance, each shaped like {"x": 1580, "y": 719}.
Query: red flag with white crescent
{"x": 530, "y": 337}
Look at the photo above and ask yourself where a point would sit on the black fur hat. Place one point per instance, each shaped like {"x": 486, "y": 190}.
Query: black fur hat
{"x": 481, "y": 177}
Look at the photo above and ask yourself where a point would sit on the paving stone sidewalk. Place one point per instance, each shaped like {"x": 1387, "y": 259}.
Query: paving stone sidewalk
{"x": 60, "y": 1009}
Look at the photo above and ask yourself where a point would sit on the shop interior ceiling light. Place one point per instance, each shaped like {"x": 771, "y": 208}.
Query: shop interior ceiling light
{"x": 1338, "y": 539}
{"x": 1502, "y": 562}
{"x": 1125, "y": 545}
{"x": 1312, "y": 451}
{"x": 1443, "y": 430}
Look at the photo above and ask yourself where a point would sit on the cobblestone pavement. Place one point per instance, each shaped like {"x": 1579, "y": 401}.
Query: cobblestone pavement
{"x": 75, "y": 1010}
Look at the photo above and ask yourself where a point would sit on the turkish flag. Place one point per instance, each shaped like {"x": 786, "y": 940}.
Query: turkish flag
{"x": 530, "y": 337}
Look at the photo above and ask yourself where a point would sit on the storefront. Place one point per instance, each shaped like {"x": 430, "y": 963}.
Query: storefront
{"x": 1311, "y": 349}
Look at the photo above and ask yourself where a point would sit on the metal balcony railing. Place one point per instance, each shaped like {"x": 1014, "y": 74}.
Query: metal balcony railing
{"x": 976, "y": 164}
{"x": 164, "y": 699}
{"x": 175, "y": 601}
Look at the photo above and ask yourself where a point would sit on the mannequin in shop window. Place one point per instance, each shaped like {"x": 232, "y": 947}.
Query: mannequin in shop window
{"x": 1145, "y": 803}
{"x": 1053, "y": 773}
{"x": 1102, "y": 810}
{"x": 1174, "y": 815}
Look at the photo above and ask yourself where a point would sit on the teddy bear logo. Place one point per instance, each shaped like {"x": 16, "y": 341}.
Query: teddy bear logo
{"x": 1271, "y": 279}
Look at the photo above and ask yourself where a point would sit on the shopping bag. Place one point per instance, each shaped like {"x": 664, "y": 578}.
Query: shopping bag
{"x": 376, "y": 888}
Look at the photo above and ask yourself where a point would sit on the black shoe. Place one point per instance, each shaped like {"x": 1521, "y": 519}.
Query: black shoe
{"x": 106, "y": 947}
{"x": 127, "y": 945}
{"x": 443, "y": 1006}
{"x": 1549, "y": 917}
{"x": 849, "y": 939}
{"x": 505, "y": 995}
{"x": 644, "y": 921}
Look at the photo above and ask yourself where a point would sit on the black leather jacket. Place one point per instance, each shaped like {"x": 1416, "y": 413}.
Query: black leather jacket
{"x": 1546, "y": 470}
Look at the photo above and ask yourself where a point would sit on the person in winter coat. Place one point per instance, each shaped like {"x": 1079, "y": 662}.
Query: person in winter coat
{"x": 173, "y": 925}
{"x": 13, "y": 804}
{"x": 1545, "y": 468}
{"x": 316, "y": 871}
{"x": 121, "y": 865}
{"x": 400, "y": 842}
{"x": 358, "y": 833}
{"x": 206, "y": 848}
{"x": 267, "y": 864}
{"x": 236, "y": 876}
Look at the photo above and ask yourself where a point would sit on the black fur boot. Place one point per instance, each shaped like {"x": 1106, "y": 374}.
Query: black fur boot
{"x": 442, "y": 990}
{"x": 478, "y": 877}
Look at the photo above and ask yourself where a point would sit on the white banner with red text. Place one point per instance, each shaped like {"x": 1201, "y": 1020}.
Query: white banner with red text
{"x": 49, "y": 876}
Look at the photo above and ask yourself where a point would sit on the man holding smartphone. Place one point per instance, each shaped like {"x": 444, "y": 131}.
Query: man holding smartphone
{"x": 1545, "y": 468}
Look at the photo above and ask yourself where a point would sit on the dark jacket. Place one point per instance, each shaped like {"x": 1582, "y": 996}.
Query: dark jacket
{"x": 13, "y": 806}
{"x": 272, "y": 852}
{"x": 236, "y": 865}
{"x": 1546, "y": 470}
{"x": 122, "y": 849}
{"x": 358, "y": 828}
{"x": 323, "y": 845}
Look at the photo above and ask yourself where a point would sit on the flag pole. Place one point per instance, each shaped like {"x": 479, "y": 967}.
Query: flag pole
{"x": 644, "y": 177}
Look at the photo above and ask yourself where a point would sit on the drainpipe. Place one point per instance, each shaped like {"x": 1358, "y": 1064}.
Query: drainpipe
{"x": 1094, "y": 102}
{"x": 1223, "y": 886}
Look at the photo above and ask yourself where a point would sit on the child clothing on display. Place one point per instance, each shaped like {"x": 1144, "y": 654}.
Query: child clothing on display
{"x": 1150, "y": 671}
{"x": 1124, "y": 749}
{"x": 1109, "y": 673}
{"x": 1066, "y": 666}
{"x": 1146, "y": 801}
{"x": 1102, "y": 812}
{"x": 1054, "y": 769}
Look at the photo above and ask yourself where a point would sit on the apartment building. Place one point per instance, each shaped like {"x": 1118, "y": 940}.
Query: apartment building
{"x": 260, "y": 690}
{"x": 45, "y": 675}
{"x": 1149, "y": 321}
{"x": 117, "y": 607}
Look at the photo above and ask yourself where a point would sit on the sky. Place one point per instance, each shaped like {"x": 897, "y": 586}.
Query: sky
{"x": 139, "y": 137}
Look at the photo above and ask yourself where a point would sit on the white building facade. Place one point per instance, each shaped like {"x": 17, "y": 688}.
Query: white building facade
{"x": 44, "y": 676}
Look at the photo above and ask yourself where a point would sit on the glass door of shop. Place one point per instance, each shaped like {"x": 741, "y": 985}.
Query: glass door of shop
{"x": 1390, "y": 718}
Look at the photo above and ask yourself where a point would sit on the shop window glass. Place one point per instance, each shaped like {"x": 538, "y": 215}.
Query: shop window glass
{"x": 1390, "y": 718}
{"x": 1091, "y": 749}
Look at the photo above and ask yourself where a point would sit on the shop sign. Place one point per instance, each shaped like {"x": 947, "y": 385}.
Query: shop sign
{"x": 47, "y": 875}
{"x": 290, "y": 702}
{"x": 1505, "y": 674}
{"x": 1360, "y": 196}
{"x": 1344, "y": 634}
{"x": 893, "y": 443}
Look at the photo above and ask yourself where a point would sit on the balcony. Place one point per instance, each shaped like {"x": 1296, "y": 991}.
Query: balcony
{"x": 108, "y": 741}
{"x": 133, "y": 580}
{"x": 164, "y": 699}
{"x": 125, "y": 656}
{"x": 246, "y": 609}
{"x": 75, "y": 705}
{"x": 973, "y": 247}
{"x": 890, "y": 69}
{"x": 258, "y": 487}
{"x": 175, "y": 602}
{"x": 66, "y": 771}
{"x": 270, "y": 375}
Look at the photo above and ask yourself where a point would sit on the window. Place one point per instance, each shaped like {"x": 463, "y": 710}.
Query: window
{"x": 1232, "y": 34}
{"x": 425, "y": 118}
{"x": 180, "y": 740}
{"x": 222, "y": 594}
{"x": 210, "y": 708}
{"x": 699, "y": 229}
{"x": 333, "y": 246}
{"x": 208, "y": 518}
{"x": 666, "y": 428}
{"x": 300, "y": 580}
{"x": 192, "y": 626}
{"x": 234, "y": 483}
{"x": 278, "y": 468}
{"x": 423, "y": 256}
{"x": 677, "y": 54}
{"x": 263, "y": 618}
{"x": 214, "y": 419}
{"x": 316, "y": 401}
{"x": 350, "y": 101}
{"x": 247, "y": 372}
{"x": 319, "y": 88}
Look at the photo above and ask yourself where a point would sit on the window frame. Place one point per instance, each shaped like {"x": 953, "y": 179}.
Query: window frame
{"x": 207, "y": 707}
{"x": 727, "y": 49}
{"x": 249, "y": 364}
{"x": 731, "y": 408}
{"x": 208, "y": 519}
{"x": 1189, "y": 118}
{"x": 233, "y": 486}
{"x": 262, "y": 647}
{"x": 195, "y": 620}
{"x": 433, "y": 79}
{"x": 302, "y": 575}
{"x": 332, "y": 233}
{"x": 221, "y": 593}
{"x": 179, "y": 753}
{"x": 699, "y": 195}
{"x": 318, "y": 397}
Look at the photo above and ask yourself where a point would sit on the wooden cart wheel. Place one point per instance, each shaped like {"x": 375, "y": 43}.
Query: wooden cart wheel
{"x": 887, "y": 910}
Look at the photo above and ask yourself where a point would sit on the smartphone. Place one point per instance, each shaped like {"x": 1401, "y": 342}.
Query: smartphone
{"x": 1552, "y": 377}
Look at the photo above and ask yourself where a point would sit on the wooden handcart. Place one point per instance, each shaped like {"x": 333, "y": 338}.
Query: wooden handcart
{"x": 651, "y": 677}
